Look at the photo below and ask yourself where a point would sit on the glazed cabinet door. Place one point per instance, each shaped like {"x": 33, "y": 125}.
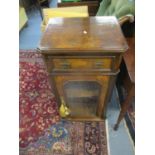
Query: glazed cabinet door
{"x": 84, "y": 95}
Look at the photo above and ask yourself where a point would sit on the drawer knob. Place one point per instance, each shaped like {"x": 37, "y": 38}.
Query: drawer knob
{"x": 66, "y": 65}
{"x": 98, "y": 64}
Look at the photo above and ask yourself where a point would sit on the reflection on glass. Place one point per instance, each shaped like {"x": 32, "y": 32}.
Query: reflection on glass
{"x": 82, "y": 97}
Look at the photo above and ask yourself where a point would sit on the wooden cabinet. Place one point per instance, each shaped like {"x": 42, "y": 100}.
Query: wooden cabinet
{"x": 82, "y": 56}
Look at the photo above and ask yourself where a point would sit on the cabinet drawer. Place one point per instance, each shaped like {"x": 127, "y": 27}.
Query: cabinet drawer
{"x": 83, "y": 64}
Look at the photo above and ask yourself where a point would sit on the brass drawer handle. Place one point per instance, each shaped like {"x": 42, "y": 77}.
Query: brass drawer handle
{"x": 65, "y": 65}
{"x": 98, "y": 64}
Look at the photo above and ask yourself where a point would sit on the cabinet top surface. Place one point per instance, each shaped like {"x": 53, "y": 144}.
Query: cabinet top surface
{"x": 87, "y": 34}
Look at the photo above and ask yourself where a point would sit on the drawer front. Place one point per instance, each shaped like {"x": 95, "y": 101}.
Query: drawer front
{"x": 83, "y": 64}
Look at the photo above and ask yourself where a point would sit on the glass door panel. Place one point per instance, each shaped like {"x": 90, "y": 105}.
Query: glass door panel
{"x": 82, "y": 97}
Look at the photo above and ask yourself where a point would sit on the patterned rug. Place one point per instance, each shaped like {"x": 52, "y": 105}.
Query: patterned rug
{"x": 37, "y": 106}
{"x": 41, "y": 131}
{"x": 70, "y": 138}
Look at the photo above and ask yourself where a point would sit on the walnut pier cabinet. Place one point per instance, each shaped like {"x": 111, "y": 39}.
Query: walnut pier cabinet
{"x": 82, "y": 56}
